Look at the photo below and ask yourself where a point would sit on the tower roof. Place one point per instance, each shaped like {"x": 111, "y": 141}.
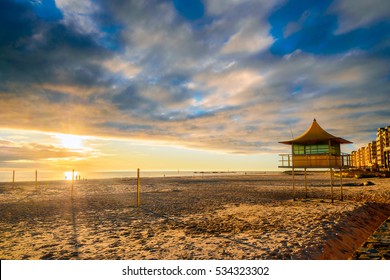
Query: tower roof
{"x": 315, "y": 134}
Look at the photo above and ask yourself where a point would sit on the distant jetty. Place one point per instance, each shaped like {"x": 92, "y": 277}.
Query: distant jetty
{"x": 215, "y": 172}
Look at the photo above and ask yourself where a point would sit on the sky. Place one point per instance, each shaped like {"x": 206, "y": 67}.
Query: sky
{"x": 186, "y": 84}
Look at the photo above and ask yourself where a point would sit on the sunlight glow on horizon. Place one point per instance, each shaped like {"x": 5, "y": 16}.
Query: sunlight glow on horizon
{"x": 69, "y": 175}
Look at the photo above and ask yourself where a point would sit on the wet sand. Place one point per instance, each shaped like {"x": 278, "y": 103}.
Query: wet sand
{"x": 210, "y": 217}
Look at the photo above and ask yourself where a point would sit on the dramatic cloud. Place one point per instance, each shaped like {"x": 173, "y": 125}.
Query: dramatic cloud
{"x": 232, "y": 76}
{"x": 360, "y": 13}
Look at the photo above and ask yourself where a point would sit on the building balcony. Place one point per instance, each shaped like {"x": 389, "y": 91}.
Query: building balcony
{"x": 314, "y": 161}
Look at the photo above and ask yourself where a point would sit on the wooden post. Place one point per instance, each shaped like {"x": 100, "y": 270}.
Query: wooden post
{"x": 293, "y": 176}
{"x": 341, "y": 183}
{"x": 36, "y": 179}
{"x": 72, "y": 179}
{"x": 331, "y": 176}
{"x": 330, "y": 166}
{"x": 138, "y": 189}
{"x": 305, "y": 184}
{"x": 331, "y": 182}
{"x": 13, "y": 176}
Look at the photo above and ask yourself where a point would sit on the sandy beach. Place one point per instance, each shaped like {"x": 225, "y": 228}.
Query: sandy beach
{"x": 199, "y": 217}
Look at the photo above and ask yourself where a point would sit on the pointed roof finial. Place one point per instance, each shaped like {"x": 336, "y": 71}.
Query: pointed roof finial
{"x": 314, "y": 120}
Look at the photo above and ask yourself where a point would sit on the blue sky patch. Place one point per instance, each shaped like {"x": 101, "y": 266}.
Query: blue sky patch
{"x": 189, "y": 9}
{"x": 48, "y": 10}
{"x": 308, "y": 26}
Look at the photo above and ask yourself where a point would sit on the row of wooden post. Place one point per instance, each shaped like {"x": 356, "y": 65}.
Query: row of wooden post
{"x": 36, "y": 178}
{"x": 138, "y": 184}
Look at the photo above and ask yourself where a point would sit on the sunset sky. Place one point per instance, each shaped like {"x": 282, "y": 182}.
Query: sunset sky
{"x": 191, "y": 85}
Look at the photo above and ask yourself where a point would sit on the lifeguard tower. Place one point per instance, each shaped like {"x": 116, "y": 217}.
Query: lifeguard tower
{"x": 316, "y": 148}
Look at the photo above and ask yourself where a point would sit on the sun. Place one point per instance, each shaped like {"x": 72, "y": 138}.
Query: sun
{"x": 69, "y": 141}
{"x": 69, "y": 175}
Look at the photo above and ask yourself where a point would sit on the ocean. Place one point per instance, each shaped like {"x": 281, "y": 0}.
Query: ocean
{"x": 21, "y": 176}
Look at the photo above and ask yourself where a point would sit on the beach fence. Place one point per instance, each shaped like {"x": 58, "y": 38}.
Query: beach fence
{"x": 35, "y": 180}
{"x": 125, "y": 183}
{"x": 156, "y": 193}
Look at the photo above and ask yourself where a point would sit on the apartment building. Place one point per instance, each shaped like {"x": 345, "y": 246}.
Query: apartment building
{"x": 371, "y": 155}
{"x": 383, "y": 147}
{"x": 354, "y": 158}
{"x": 376, "y": 154}
{"x": 362, "y": 157}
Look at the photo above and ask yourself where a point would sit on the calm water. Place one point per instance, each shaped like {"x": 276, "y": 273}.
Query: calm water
{"x": 6, "y": 176}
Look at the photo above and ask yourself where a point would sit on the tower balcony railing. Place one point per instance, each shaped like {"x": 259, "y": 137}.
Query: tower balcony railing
{"x": 315, "y": 161}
